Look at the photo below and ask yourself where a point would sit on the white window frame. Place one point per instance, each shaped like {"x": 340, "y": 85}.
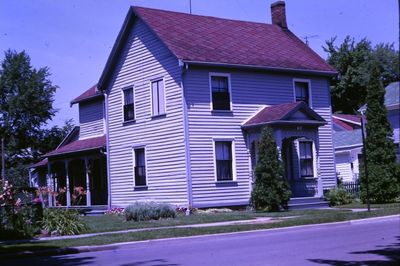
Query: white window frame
{"x": 134, "y": 164}
{"x": 217, "y": 74}
{"x": 151, "y": 96}
{"x": 310, "y": 101}
{"x": 233, "y": 147}
{"x": 314, "y": 154}
{"x": 123, "y": 102}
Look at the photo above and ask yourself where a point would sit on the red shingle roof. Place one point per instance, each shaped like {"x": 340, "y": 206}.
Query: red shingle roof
{"x": 216, "y": 40}
{"x": 87, "y": 95}
{"x": 341, "y": 124}
{"x": 281, "y": 112}
{"x": 351, "y": 118}
{"x": 80, "y": 145}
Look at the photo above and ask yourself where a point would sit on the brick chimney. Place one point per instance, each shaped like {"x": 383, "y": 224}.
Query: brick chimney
{"x": 278, "y": 14}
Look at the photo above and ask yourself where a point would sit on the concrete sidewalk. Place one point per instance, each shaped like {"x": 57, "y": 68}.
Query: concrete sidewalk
{"x": 257, "y": 220}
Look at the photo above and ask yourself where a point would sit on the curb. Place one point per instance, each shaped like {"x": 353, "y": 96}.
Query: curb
{"x": 113, "y": 246}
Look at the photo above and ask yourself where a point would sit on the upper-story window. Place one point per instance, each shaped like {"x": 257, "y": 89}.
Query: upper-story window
{"x": 220, "y": 92}
{"x": 302, "y": 91}
{"x": 129, "y": 107}
{"x": 157, "y": 97}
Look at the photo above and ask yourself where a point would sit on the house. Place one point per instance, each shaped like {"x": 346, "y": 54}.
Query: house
{"x": 76, "y": 170}
{"x": 187, "y": 97}
{"x": 347, "y": 137}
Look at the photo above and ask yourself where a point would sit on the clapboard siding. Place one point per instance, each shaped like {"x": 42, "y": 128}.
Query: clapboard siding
{"x": 145, "y": 58}
{"x": 91, "y": 119}
{"x": 250, "y": 91}
{"x": 343, "y": 166}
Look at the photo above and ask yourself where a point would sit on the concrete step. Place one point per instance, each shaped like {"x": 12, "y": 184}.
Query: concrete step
{"x": 307, "y": 203}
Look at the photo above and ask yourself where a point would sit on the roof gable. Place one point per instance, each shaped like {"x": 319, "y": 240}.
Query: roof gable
{"x": 211, "y": 40}
{"x": 90, "y": 94}
{"x": 287, "y": 113}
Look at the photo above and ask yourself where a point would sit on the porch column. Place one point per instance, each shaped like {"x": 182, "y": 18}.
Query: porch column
{"x": 55, "y": 189}
{"x": 49, "y": 196}
{"x": 67, "y": 192}
{"x": 88, "y": 196}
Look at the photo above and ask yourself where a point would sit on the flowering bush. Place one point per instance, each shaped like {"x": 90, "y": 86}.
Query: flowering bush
{"x": 19, "y": 216}
{"x": 117, "y": 211}
{"x": 185, "y": 210}
{"x": 78, "y": 196}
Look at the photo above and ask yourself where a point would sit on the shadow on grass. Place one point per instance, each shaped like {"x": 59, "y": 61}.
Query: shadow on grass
{"x": 155, "y": 262}
{"x": 390, "y": 256}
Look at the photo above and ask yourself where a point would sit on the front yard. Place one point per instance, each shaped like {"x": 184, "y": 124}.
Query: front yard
{"x": 278, "y": 219}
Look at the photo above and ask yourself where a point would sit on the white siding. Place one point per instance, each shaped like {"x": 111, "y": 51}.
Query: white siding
{"x": 343, "y": 166}
{"x": 250, "y": 91}
{"x": 91, "y": 119}
{"x": 142, "y": 60}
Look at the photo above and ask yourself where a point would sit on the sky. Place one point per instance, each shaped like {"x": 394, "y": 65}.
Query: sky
{"x": 73, "y": 38}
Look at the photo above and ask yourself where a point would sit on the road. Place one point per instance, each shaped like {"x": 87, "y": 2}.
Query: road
{"x": 359, "y": 243}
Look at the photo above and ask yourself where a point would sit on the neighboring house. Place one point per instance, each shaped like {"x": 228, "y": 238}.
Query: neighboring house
{"x": 79, "y": 162}
{"x": 348, "y": 139}
{"x": 187, "y": 97}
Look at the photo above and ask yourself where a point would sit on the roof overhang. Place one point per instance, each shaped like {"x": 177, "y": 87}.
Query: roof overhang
{"x": 287, "y": 123}
{"x": 264, "y": 68}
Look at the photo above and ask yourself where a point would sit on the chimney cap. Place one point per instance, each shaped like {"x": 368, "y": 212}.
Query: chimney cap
{"x": 278, "y": 3}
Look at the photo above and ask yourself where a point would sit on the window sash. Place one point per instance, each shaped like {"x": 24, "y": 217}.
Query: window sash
{"x": 129, "y": 112}
{"x": 220, "y": 93}
{"x": 302, "y": 92}
{"x": 306, "y": 159}
{"x": 140, "y": 167}
{"x": 223, "y": 157}
{"x": 158, "y": 97}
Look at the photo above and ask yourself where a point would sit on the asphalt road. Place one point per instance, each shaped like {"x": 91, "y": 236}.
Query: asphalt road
{"x": 359, "y": 243}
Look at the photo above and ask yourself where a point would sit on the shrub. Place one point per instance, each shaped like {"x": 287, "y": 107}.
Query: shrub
{"x": 338, "y": 196}
{"x": 63, "y": 222}
{"x": 117, "y": 211}
{"x": 144, "y": 211}
{"x": 20, "y": 213}
{"x": 271, "y": 190}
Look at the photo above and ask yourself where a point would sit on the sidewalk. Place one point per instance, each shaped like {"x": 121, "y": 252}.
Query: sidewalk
{"x": 81, "y": 249}
{"x": 258, "y": 220}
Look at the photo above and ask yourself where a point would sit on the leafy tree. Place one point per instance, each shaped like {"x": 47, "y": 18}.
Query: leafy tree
{"x": 26, "y": 98}
{"x": 353, "y": 62}
{"x": 384, "y": 183}
{"x": 271, "y": 190}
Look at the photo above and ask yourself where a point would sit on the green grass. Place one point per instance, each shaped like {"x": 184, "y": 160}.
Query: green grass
{"x": 303, "y": 218}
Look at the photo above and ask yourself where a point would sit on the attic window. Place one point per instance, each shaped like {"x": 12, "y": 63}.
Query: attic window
{"x": 220, "y": 92}
{"x": 302, "y": 92}
{"x": 129, "y": 108}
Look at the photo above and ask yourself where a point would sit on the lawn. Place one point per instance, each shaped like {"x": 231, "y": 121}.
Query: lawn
{"x": 110, "y": 223}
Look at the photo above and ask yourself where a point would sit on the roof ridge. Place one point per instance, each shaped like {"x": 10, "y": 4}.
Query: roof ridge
{"x": 205, "y": 16}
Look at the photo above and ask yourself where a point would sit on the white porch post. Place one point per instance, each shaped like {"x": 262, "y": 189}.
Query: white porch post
{"x": 67, "y": 192}
{"x": 88, "y": 196}
{"x": 55, "y": 188}
{"x": 49, "y": 186}
{"x": 320, "y": 190}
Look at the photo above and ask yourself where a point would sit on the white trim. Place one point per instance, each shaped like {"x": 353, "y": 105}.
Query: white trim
{"x": 92, "y": 136}
{"x": 134, "y": 147}
{"x": 346, "y": 120}
{"x": 310, "y": 104}
{"x": 151, "y": 95}
{"x": 123, "y": 102}
{"x": 219, "y": 74}
{"x": 233, "y": 150}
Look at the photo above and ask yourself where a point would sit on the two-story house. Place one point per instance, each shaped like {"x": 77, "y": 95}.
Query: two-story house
{"x": 187, "y": 96}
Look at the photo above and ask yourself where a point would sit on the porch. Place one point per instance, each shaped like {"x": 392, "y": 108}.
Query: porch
{"x": 295, "y": 128}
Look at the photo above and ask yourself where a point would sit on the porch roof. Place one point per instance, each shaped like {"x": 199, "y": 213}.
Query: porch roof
{"x": 40, "y": 164}
{"x": 283, "y": 114}
{"x": 79, "y": 146}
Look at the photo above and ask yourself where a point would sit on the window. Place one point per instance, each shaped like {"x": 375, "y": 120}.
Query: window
{"x": 302, "y": 92}
{"x": 223, "y": 159}
{"x": 220, "y": 93}
{"x": 306, "y": 159}
{"x": 157, "y": 97}
{"x": 140, "y": 167}
{"x": 129, "y": 108}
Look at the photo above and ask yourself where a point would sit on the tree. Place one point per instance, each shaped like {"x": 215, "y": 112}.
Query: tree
{"x": 271, "y": 190}
{"x": 379, "y": 147}
{"x": 26, "y": 99}
{"x": 353, "y": 62}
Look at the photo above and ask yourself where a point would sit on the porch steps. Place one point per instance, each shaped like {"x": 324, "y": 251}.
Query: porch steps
{"x": 307, "y": 203}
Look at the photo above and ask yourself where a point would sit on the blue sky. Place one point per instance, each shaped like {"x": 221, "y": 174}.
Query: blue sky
{"x": 74, "y": 37}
